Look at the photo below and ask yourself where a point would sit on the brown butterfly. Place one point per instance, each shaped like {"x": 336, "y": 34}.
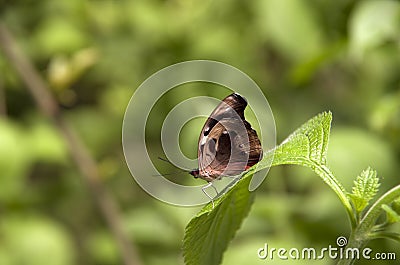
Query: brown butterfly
{"x": 227, "y": 143}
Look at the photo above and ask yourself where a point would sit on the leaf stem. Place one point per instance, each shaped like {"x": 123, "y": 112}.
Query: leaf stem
{"x": 375, "y": 210}
{"x": 389, "y": 235}
{"x": 324, "y": 172}
{"x": 327, "y": 176}
{"x": 363, "y": 232}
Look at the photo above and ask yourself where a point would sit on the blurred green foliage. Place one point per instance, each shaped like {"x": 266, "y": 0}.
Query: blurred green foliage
{"x": 307, "y": 56}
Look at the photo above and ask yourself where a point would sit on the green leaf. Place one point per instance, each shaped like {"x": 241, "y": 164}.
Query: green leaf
{"x": 207, "y": 235}
{"x": 373, "y": 213}
{"x": 365, "y": 188}
{"x": 307, "y": 145}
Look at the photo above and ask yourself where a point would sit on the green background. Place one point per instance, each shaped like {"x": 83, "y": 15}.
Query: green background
{"x": 307, "y": 56}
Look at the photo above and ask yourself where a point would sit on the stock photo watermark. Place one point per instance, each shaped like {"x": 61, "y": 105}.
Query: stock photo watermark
{"x": 151, "y": 91}
{"x": 339, "y": 251}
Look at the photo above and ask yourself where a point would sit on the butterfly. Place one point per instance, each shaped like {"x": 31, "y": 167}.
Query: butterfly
{"x": 228, "y": 145}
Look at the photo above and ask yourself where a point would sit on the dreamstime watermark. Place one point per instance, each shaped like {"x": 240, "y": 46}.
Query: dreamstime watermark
{"x": 149, "y": 93}
{"x": 331, "y": 252}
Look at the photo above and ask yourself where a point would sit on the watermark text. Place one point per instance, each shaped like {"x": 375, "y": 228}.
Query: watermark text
{"x": 332, "y": 252}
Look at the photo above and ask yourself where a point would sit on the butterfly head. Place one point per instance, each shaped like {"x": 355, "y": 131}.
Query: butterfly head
{"x": 195, "y": 173}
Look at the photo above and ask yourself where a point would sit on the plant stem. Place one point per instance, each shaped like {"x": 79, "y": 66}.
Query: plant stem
{"x": 375, "y": 210}
{"x": 363, "y": 232}
{"x": 355, "y": 242}
{"x": 327, "y": 176}
{"x": 330, "y": 179}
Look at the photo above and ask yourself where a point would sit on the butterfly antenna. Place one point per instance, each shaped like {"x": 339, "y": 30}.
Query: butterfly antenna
{"x": 169, "y": 174}
{"x": 169, "y": 162}
{"x": 172, "y": 173}
{"x": 164, "y": 159}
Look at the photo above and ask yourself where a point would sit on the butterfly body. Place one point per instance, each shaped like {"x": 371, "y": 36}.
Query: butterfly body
{"x": 228, "y": 145}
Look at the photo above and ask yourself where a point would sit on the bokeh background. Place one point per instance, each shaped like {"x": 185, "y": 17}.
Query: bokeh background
{"x": 307, "y": 56}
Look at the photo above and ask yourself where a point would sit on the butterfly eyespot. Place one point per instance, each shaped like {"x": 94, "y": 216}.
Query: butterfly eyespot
{"x": 203, "y": 140}
{"x": 211, "y": 145}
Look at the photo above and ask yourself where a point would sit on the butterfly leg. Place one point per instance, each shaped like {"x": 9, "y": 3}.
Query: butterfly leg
{"x": 209, "y": 184}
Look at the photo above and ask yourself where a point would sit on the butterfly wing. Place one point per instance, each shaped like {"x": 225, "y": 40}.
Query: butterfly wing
{"x": 227, "y": 145}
